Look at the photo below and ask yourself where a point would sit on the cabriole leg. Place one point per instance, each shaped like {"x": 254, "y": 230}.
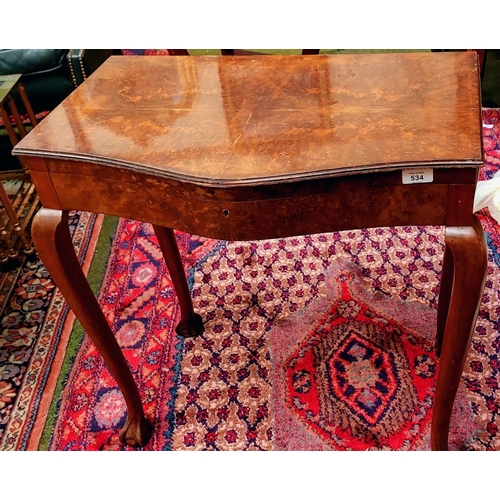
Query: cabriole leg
{"x": 467, "y": 249}
{"x": 53, "y": 243}
{"x": 191, "y": 324}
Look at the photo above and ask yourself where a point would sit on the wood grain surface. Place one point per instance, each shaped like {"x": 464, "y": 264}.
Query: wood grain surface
{"x": 258, "y": 120}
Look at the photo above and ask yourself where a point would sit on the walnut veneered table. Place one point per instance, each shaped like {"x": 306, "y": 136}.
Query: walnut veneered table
{"x": 244, "y": 148}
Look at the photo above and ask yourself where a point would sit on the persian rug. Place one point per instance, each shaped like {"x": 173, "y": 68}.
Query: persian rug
{"x": 321, "y": 342}
{"x": 35, "y": 326}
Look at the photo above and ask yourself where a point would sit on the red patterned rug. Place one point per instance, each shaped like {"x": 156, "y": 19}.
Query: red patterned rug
{"x": 321, "y": 342}
{"x": 356, "y": 369}
{"x": 36, "y": 324}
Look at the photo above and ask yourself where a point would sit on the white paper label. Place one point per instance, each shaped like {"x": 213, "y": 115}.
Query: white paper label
{"x": 418, "y": 176}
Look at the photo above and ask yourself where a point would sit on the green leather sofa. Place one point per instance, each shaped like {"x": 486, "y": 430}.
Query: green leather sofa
{"x": 49, "y": 76}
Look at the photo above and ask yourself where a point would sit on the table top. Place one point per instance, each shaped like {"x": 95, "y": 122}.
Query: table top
{"x": 229, "y": 120}
{"x": 7, "y": 83}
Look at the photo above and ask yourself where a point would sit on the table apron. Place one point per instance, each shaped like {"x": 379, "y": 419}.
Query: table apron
{"x": 336, "y": 210}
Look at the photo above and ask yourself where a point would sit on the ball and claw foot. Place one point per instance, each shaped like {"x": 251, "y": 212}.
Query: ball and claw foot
{"x": 136, "y": 433}
{"x": 191, "y": 328}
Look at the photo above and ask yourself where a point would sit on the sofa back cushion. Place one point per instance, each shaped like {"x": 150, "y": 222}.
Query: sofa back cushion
{"x": 30, "y": 61}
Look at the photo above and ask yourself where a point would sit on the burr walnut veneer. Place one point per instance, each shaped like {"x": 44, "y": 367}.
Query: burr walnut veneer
{"x": 253, "y": 147}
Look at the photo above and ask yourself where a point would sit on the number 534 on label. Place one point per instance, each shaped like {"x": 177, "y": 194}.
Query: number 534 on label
{"x": 416, "y": 176}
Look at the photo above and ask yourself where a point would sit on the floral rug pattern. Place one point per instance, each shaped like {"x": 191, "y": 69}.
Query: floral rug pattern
{"x": 31, "y": 330}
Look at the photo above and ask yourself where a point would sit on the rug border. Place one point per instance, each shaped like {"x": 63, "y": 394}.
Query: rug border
{"x": 95, "y": 277}
{"x": 27, "y": 412}
{"x": 66, "y": 329}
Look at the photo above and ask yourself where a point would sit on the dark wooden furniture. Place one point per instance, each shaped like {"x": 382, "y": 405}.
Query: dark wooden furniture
{"x": 246, "y": 148}
{"x": 20, "y": 204}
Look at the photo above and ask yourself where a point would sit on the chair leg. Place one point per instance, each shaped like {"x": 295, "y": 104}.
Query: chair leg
{"x": 467, "y": 247}
{"x": 191, "y": 324}
{"x": 53, "y": 243}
